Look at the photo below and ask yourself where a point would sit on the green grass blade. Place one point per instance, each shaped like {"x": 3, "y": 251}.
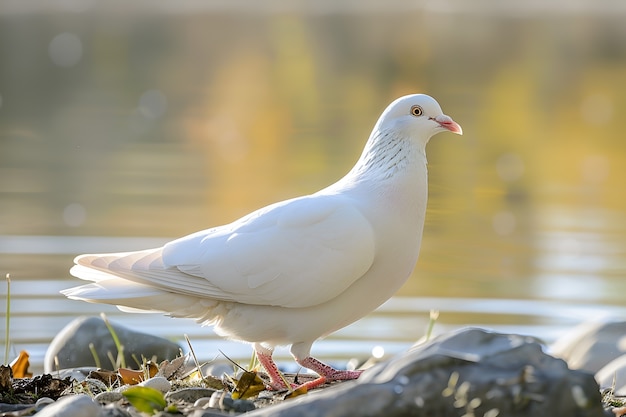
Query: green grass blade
{"x": 8, "y": 320}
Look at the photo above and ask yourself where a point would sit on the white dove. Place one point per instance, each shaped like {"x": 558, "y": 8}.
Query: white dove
{"x": 297, "y": 270}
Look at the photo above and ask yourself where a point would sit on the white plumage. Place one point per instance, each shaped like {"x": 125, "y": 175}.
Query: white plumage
{"x": 297, "y": 270}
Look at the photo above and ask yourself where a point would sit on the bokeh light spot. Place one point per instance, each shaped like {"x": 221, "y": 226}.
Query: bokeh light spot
{"x": 65, "y": 50}
{"x": 378, "y": 352}
{"x": 74, "y": 215}
{"x": 504, "y": 223}
{"x": 153, "y": 104}
{"x": 595, "y": 169}
{"x": 597, "y": 109}
{"x": 510, "y": 167}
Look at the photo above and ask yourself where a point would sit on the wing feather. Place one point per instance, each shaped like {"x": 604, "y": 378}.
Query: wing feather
{"x": 297, "y": 253}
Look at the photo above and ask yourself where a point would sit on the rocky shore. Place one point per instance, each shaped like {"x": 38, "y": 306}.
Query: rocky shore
{"x": 469, "y": 372}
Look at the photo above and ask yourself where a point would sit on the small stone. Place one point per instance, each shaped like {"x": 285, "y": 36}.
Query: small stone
{"x": 242, "y": 406}
{"x": 71, "y": 406}
{"x": 108, "y": 397}
{"x": 78, "y": 374}
{"x": 165, "y": 414}
{"x": 218, "y": 369}
{"x": 158, "y": 382}
{"x": 207, "y": 413}
{"x": 202, "y": 402}
{"x": 6, "y": 408}
{"x": 221, "y": 400}
{"x": 95, "y": 386}
{"x": 114, "y": 410}
{"x": 42, "y": 402}
{"x": 189, "y": 395}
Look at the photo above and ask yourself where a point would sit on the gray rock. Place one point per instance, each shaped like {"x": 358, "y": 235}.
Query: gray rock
{"x": 159, "y": 383}
{"x": 115, "y": 410}
{"x": 613, "y": 371}
{"x": 78, "y": 374}
{"x": 223, "y": 401}
{"x": 592, "y": 345}
{"x": 71, "y": 345}
{"x": 71, "y": 406}
{"x": 208, "y": 413}
{"x": 468, "y": 372}
{"x": 108, "y": 397}
{"x": 189, "y": 395}
{"x": 7, "y": 408}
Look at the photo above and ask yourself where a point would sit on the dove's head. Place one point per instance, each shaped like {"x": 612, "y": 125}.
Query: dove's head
{"x": 418, "y": 116}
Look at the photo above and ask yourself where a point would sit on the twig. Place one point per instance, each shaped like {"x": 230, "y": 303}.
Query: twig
{"x": 434, "y": 315}
{"x": 8, "y": 319}
{"x": 193, "y": 355}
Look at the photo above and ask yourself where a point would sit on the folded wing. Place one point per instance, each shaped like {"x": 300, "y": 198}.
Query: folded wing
{"x": 297, "y": 253}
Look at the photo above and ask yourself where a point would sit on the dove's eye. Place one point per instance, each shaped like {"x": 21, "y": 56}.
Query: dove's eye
{"x": 417, "y": 110}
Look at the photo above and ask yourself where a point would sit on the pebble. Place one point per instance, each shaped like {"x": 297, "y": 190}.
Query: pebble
{"x": 114, "y": 410}
{"x": 42, "y": 402}
{"x": 223, "y": 401}
{"x": 158, "y": 382}
{"x": 108, "y": 397}
{"x": 207, "y": 413}
{"x": 79, "y": 374}
{"x": 189, "y": 395}
{"x": 202, "y": 402}
{"x": 71, "y": 406}
{"x": 95, "y": 386}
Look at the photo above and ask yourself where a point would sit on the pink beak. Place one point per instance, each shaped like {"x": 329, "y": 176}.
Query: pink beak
{"x": 447, "y": 123}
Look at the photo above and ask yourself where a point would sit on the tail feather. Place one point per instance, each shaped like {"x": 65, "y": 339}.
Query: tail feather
{"x": 127, "y": 280}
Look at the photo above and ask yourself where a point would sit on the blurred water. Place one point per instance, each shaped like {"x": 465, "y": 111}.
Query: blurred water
{"x": 121, "y": 130}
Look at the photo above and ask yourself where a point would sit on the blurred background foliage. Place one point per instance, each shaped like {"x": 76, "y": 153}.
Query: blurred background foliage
{"x": 163, "y": 118}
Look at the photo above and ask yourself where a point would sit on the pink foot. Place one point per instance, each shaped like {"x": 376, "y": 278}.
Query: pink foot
{"x": 276, "y": 381}
{"x": 326, "y": 372}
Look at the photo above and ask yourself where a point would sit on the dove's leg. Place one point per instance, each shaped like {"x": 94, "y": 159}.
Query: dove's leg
{"x": 265, "y": 358}
{"x": 326, "y": 372}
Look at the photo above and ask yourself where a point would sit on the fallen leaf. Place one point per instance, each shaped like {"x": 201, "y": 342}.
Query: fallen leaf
{"x": 20, "y": 366}
{"x": 301, "y": 390}
{"x": 130, "y": 376}
{"x": 174, "y": 369}
{"x": 249, "y": 385}
{"x": 6, "y": 378}
{"x": 110, "y": 378}
{"x": 134, "y": 377}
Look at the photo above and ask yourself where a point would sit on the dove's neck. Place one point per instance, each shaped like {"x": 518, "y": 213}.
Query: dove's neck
{"x": 387, "y": 155}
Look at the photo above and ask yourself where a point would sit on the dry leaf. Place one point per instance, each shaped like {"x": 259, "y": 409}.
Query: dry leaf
{"x": 6, "y": 378}
{"x": 133, "y": 377}
{"x": 108, "y": 377}
{"x": 174, "y": 369}
{"x": 301, "y": 390}
{"x": 249, "y": 385}
{"x": 20, "y": 366}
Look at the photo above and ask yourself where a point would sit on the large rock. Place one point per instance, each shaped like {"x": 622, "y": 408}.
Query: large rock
{"x": 613, "y": 376}
{"x": 71, "y": 345}
{"x": 591, "y": 345}
{"x": 468, "y": 372}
